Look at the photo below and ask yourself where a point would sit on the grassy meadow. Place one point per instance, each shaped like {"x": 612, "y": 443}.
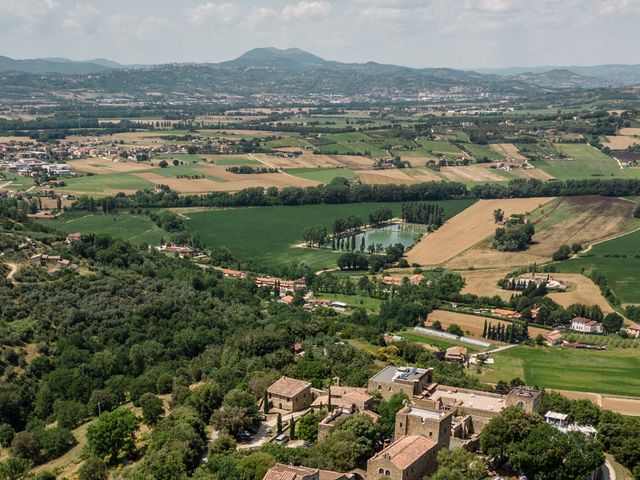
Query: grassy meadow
{"x": 612, "y": 371}
{"x": 269, "y": 235}
{"x": 323, "y": 175}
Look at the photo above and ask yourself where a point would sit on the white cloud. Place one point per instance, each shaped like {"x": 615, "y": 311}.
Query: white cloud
{"x": 121, "y": 28}
{"x": 81, "y": 17}
{"x": 305, "y": 10}
{"x": 214, "y": 13}
{"x": 258, "y": 17}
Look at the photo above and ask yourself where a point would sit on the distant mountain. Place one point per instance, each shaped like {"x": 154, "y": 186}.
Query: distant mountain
{"x": 57, "y": 65}
{"x": 276, "y": 58}
{"x": 610, "y": 74}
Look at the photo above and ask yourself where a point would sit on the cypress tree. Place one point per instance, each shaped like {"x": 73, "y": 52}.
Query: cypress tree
{"x": 279, "y": 425}
{"x": 292, "y": 429}
{"x": 484, "y": 330}
{"x": 265, "y": 403}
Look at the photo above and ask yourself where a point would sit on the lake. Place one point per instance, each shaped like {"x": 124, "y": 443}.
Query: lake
{"x": 405, "y": 233}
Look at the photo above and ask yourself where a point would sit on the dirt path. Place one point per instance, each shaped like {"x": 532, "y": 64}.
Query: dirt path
{"x": 13, "y": 271}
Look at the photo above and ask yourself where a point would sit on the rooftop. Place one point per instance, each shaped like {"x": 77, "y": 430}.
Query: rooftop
{"x": 406, "y": 374}
{"x": 426, "y": 414}
{"x": 453, "y": 397}
{"x": 405, "y": 451}
{"x": 288, "y": 387}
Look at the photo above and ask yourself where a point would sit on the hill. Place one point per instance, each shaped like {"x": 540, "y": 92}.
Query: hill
{"x": 57, "y": 65}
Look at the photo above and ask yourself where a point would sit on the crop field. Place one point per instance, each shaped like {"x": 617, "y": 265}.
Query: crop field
{"x": 618, "y": 260}
{"x": 613, "y": 371}
{"x": 466, "y": 229}
{"x": 322, "y": 175}
{"x": 568, "y": 220}
{"x": 132, "y": 228}
{"x": 481, "y": 151}
{"x": 440, "y": 343}
{"x": 436, "y": 148}
{"x": 621, "y": 142}
{"x": 269, "y": 235}
{"x": 584, "y": 162}
{"x": 233, "y": 161}
{"x": 473, "y": 324}
{"x": 471, "y": 173}
{"x": 108, "y": 184}
{"x": 507, "y": 150}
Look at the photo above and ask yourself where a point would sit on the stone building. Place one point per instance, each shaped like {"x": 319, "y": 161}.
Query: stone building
{"x": 432, "y": 424}
{"x": 408, "y": 458}
{"x": 290, "y": 395}
{"x": 410, "y": 380}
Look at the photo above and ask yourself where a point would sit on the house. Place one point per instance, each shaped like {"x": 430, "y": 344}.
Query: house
{"x": 73, "y": 237}
{"x": 584, "y": 325}
{"x": 287, "y": 300}
{"x": 552, "y": 338}
{"x": 228, "y": 273}
{"x": 289, "y": 472}
{"x": 290, "y": 394}
{"x": 397, "y": 280}
{"x": 44, "y": 260}
{"x": 408, "y": 458}
{"x": 391, "y": 380}
{"x": 177, "y": 250}
{"x": 345, "y": 397}
{"x": 456, "y": 354}
{"x": 633, "y": 330}
{"x": 337, "y": 415}
{"x": 561, "y": 422}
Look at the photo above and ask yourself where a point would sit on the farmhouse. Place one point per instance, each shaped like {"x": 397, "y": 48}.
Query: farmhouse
{"x": 408, "y": 458}
{"x": 584, "y": 325}
{"x": 284, "y": 285}
{"x": 552, "y": 338}
{"x": 391, "y": 380}
{"x": 73, "y": 237}
{"x": 44, "y": 260}
{"x": 633, "y": 330}
{"x": 345, "y": 397}
{"x": 289, "y": 472}
{"x": 228, "y": 273}
{"x": 456, "y": 354}
{"x": 290, "y": 395}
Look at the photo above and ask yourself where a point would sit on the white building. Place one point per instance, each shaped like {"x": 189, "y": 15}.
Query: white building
{"x": 584, "y": 325}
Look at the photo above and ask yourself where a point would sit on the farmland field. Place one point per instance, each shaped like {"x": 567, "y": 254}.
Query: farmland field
{"x": 465, "y": 230}
{"x": 618, "y": 260}
{"x": 441, "y": 343}
{"x": 107, "y": 184}
{"x": 132, "y": 228}
{"x": 322, "y": 175}
{"x": 481, "y": 151}
{"x": 609, "y": 372}
{"x": 567, "y": 220}
{"x": 269, "y": 235}
{"x": 584, "y": 162}
{"x": 473, "y": 324}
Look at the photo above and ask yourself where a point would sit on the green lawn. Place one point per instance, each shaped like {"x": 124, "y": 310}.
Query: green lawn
{"x": 268, "y": 235}
{"x": 18, "y": 182}
{"x": 133, "y": 228}
{"x": 613, "y": 371}
{"x": 584, "y": 162}
{"x": 232, "y": 162}
{"x": 371, "y": 305}
{"x": 481, "y": 151}
{"x": 324, "y": 175}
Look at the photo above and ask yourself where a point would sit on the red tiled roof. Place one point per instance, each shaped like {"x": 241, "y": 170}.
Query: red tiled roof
{"x": 288, "y": 387}
{"x": 405, "y": 451}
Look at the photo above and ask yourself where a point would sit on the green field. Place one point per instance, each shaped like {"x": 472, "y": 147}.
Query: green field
{"x": 323, "y": 175}
{"x": 105, "y": 183}
{"x": 268, "y": 235}
{"x": 618, "y": 260}
{"x": 614, "y": 371}
{"x": 584, "y": 162}
{"x": 481, "y": 151}
{"x": 133, "y": 228}
{"x": 371, "y": 305}
{"x": 233, "y": 162}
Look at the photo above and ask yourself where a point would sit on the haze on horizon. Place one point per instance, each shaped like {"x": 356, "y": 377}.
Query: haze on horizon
{"x": 418, "y": 33}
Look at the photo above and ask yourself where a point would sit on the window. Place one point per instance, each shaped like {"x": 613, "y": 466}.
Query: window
{"x": 380, "y": 471}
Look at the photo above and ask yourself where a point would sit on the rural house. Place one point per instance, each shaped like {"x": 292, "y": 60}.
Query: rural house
{"x": 391, "y": 380}
{"x": 290, "y": 394}
{"x": 633, "y": 330}
{"x": 584, "y": 325}
{"x": 456, "y": 354}
{"x": 552, "y": 338}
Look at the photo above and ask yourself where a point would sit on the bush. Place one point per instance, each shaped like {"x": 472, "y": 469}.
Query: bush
{"x": 6, "y": 435}
{"x": 163, "y": 164}
{"x": 563, "y": 253}
{"x": 93, "y": 469}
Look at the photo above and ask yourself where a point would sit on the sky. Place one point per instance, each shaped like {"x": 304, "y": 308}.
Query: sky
{"x": 416, "y": 33}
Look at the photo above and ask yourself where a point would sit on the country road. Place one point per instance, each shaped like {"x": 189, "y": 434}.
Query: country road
{"x": 14, "y": 270}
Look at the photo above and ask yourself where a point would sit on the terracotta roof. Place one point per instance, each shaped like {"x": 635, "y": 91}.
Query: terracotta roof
{"x": 288, "y": 387}
{"x": 405, "y": 451}
{"x": 287, "y": 472}
{"x": 456, "y": 351}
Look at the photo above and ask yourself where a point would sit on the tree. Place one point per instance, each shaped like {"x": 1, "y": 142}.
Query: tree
{"x": 279, "y": 424}
{"x": 292, "y": 428}
{"x": 93, "y": 469}
{"x": 511, "y": 426}
{"x": 498, "y": 215}
{"x": 69, "y": 413}
{"x": 6, "y": 435}
{"x": 636, "y": 212}
{"x": 113, "y": 434}
{"x": 459, "y": 464}
{"x": 563, "y": 253}
{"x": 265, "y": 403}
{"x": 205, "y": 399}
{"x": 152, "y": 408}
{"x": 16, "y": 469}
{"x": 163, "y": 164}
{"x": 26, "y": 445}
{"x": 255, "y": 465}
{"x": 455, "y": 330}
{"x": 307, "y": 427}
{"x": 612, "y": 323}
{"x": 101, "y": 401}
